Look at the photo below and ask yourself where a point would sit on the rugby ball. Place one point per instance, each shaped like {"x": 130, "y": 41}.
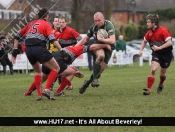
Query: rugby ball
{"x": 103, "y": 33}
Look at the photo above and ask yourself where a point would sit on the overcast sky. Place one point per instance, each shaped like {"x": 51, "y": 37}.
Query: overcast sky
{"x": 5, "y": 2}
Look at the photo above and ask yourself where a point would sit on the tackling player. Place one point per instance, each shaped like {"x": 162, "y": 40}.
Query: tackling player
{"x": 65, "y": 58}
{"x": 36, "y": 34}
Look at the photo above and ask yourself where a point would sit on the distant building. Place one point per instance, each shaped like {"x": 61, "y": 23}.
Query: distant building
{"x": 125, "y": 10}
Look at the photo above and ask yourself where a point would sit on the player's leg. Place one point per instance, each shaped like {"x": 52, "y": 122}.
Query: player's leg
{"x": 9, "y": 63}
{"x": 162, "y": 79}
{"x": 67, "y": 76}
{"x": 33, "y": 87}
{"x": 37, "y": 54}
{"x": 151, "y": 78}
{"x": 38, "y": 79}
{"x": 51, "y": 87}
{"x": 70, "y": 87}
{"x": 89, "y": 56}
{"x": 100, "y": 54}
{"x": 164, "y": 63}
{"x": 54, "y": 67}
{"x": 4, "y": 64}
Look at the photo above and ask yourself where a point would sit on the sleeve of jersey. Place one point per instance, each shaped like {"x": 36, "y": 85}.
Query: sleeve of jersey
{"x": 21, "y": 33}
{"x": 110, "y": 29}
{"x": 76, "y": 35}
{"x": 90, "y": 32}
{"x": 146, "y": 36}
{"x": 50, "y": 34}
{"x": 166, "y": 35}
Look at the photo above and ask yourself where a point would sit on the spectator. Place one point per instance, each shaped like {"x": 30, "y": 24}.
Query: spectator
{"x": 120, "y": 44}
{"x": 4, "y": 49}
{"x": 90, "y": 54}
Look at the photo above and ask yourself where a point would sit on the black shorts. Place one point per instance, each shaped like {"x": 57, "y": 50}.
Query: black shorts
{"x": 163, "y": 59}
{"x": 46, "y": 70}
{"x": 38, "y": 53}
{"x": 59, "y": 58}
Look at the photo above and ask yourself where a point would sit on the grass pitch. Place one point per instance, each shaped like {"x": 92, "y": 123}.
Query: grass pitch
{"x": 119, "y": 95}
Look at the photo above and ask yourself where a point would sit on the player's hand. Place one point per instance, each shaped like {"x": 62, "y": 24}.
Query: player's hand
{"x": 79, "y": 74}
{"x": 156, "y": 48}
{"x": 99, "y": 37}
{"x": 140, "y": 53}
{"x": 64, "y": 54}
{"x": 13, "y": 60}
{"x": 108, "y": 47}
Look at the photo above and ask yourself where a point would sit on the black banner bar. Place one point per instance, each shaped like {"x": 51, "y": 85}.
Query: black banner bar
{"x": 87, "y": 121}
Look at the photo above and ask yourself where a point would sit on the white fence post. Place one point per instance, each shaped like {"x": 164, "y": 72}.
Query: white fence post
{"x": 150, "y": 58}
{"x": 140, "y": 61}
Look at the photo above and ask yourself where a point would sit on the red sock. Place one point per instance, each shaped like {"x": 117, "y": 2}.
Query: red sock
{"x": 150, "y": 82}
{"x": 63, "y": 84}
{"x": 38, "y": 83}
{"x": 162, "y": 79}
{"x": 69, "y": 84}
{"x": 31, "y": 88}
{"x": 51, "y": 78}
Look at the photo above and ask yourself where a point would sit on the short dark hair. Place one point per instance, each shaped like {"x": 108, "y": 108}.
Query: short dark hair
{"x": 42, "y": 13}
{"x": 55, "y": 17}
{"x": 62, "y": 17}
{"x": 154, "y": 18}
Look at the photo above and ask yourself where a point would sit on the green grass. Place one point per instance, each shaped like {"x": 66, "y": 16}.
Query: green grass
{"x": 119, "y": 95}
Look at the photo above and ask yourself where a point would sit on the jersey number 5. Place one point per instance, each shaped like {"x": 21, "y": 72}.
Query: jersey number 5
{"x": 33, "y": 28}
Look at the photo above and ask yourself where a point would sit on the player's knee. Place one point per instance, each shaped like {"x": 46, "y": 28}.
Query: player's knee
{"x": 57, "y": 68}
{"x": 100, "y": 59}
{"x": 153, "y": 71}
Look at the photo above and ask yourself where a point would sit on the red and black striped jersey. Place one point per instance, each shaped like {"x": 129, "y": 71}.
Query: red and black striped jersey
{"x": 36, "y": 32}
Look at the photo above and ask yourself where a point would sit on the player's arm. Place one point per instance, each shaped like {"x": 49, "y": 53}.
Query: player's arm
{"x": 83, "y": 41}
{"x": 142, "y": 46}
{"x": 167, "y": 44}
{"x": 99, "y": 46}
{"x": 18, "y": 36}
{"x": 57, "y": 45}
{"x": 111, "y": 32}
{"x": 86, "y": 38}
{"x": 111, "y": 40}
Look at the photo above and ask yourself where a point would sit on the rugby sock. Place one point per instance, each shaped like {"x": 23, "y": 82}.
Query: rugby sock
{"x": 38, "y": 83}
{"x": 150, "y": 82}
{"x": 69, "y": 84}
{"x": 51, "y": 78}
{"x": 59, "y": 80}
{"x": 53, "y": 82}
{"x": 96, "y": 70}
{"x": 90, "y": 80}
{"x": 63, "y": 84}
{"x": 31, "y": 88}
{"x": 162, "y": 79}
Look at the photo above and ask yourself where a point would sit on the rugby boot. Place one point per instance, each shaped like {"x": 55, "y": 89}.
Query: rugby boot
{"x": 69, "y": 88}
{"x": 160, "y": 88}
{"x": 146, "y": 92}
{"x": 59, "y": 94}
{"x": 47, "y": 94}
{"x": 39, "y": 98}
{"x": 83, "y": 87}
{"x": 95, "y": 83}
